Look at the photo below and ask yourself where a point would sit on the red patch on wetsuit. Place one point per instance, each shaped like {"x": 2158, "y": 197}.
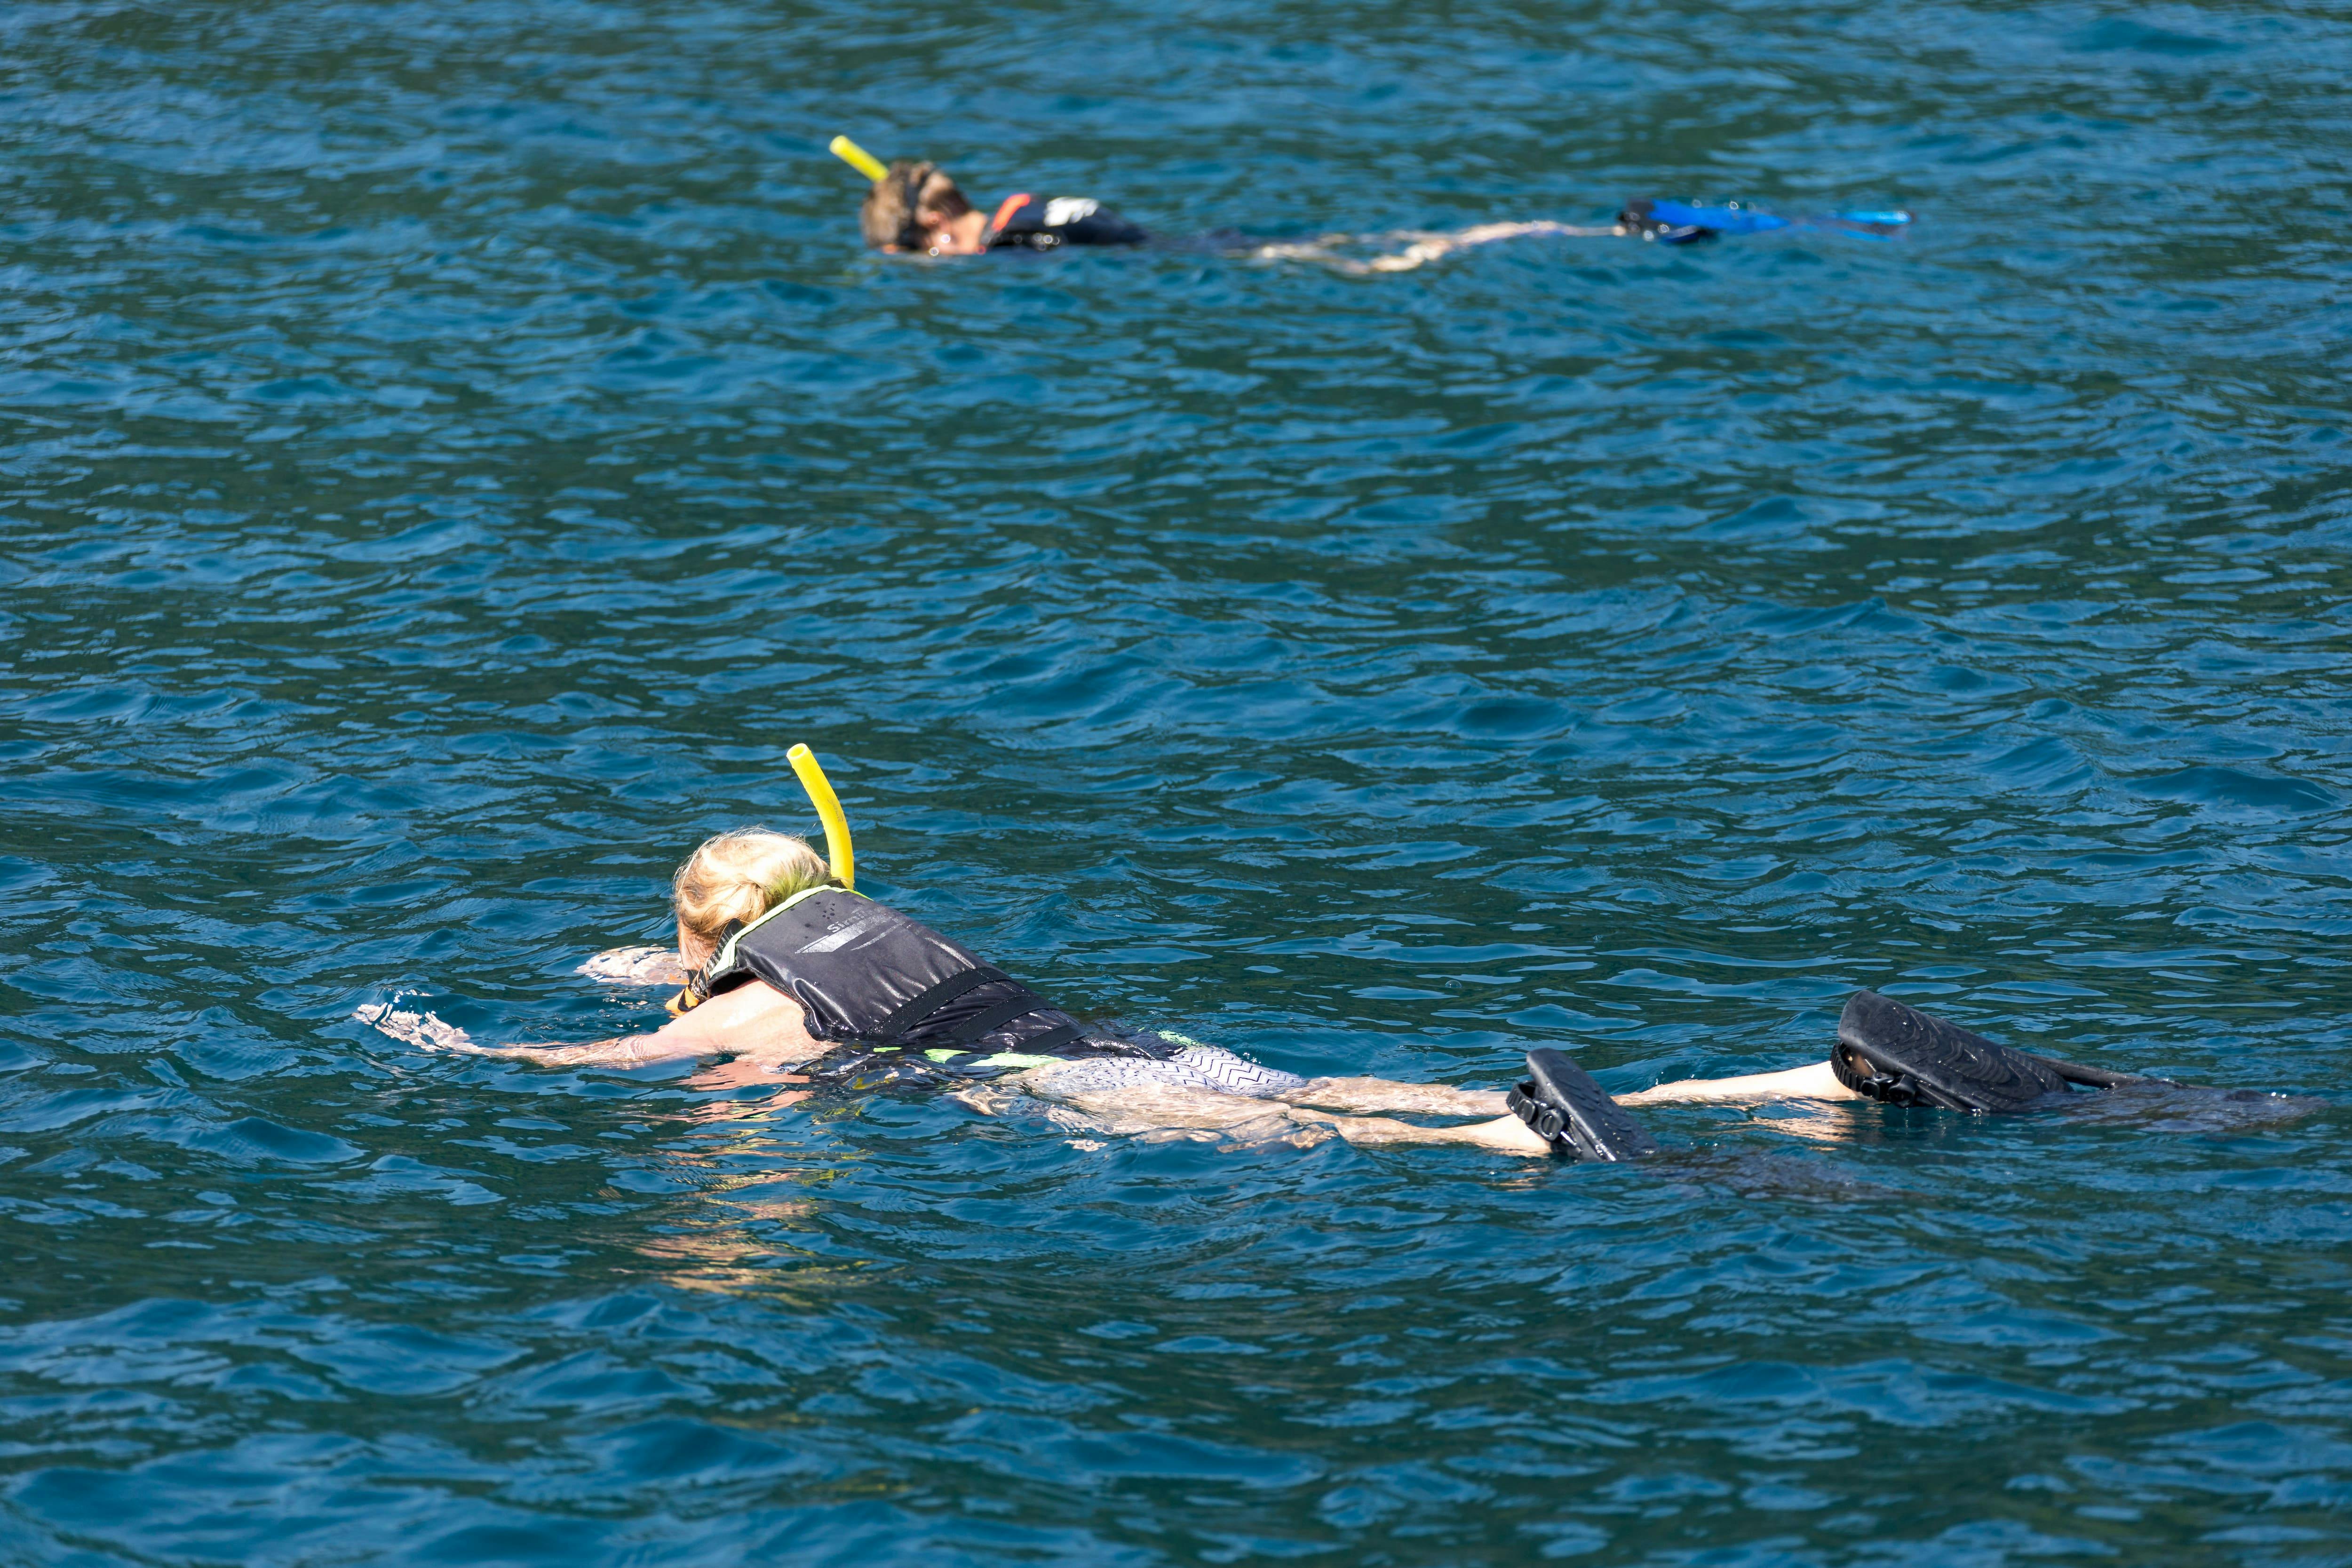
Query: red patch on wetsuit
{"x": 1005, "y": 210}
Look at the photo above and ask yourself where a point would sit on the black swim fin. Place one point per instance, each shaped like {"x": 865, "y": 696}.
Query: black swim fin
{"x": 1573, "y": 1113}
{"x": 1887, "y": 1051}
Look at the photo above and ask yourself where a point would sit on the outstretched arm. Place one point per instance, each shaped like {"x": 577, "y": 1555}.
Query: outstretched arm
{"x": 429, "y": 1033}
{"x": 625, "y": 1051}
{"x": 752, "y": 1020}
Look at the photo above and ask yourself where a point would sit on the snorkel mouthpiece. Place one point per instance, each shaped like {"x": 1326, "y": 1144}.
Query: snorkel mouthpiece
{"x": 867, "y": 164}
{"x": 837, "y": 852}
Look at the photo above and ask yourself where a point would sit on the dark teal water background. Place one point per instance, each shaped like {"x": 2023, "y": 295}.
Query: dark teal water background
{"x": 451, "y": 450}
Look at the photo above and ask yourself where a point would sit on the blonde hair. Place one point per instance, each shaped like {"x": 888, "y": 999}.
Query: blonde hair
{"x": 740, "y": 876}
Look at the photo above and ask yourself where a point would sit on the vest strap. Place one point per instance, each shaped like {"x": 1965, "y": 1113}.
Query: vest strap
{"x": 923, "y": 1005}
{"x": 979, "y": 1024}
{"x": 1051, "y": 1040}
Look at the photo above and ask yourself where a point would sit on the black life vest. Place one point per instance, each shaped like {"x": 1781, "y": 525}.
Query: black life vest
{"x": 889, "y": 992}
{"x": 1033, "y": 222}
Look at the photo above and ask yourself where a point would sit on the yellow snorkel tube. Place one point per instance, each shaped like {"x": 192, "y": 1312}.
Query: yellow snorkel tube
{"x": 867, "y": 164}
{"x": 838, "y": 854}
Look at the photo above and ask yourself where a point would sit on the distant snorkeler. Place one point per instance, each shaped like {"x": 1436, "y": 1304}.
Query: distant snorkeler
{"x": 788, "y": 970}
{"x": 914, "y": 207}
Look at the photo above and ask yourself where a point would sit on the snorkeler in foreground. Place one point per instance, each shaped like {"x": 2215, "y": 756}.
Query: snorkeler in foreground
{"x": 786, "y": 967}
{"x": 914, "y": 207}
{"x": 789, "y": 971}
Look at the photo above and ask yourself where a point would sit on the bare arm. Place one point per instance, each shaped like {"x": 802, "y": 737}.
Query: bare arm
{"x": 626, "y": 1051}
{"x": 752, "y": 1020}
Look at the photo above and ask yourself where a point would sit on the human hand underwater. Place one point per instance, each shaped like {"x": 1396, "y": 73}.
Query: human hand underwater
{"x": 635, "y": 966}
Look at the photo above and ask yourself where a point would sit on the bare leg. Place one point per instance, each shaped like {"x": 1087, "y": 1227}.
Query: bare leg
{"x": 1374, "y": 1094}
{"x": 1421, "y": 246}
{"x": 1814, "y": 1082}
{"x": 1429, "y": 247}
{"x": 1132, "y": 1109}
{"x": 1505, "y": 1134}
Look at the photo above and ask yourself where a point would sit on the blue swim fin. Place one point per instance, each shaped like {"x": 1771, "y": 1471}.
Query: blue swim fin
{"x": 1681, "y": 223}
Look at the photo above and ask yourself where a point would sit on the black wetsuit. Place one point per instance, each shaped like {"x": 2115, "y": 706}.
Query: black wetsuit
{"x": 1024, "y": 222}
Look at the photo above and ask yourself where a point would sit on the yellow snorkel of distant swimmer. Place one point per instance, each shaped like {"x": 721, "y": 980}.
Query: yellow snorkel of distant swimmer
{"x": 867, "y": 164}
{"x": 840, "y": 858}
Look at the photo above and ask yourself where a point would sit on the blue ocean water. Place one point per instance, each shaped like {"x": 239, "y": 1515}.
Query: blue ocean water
{"x": 452, "y": 451}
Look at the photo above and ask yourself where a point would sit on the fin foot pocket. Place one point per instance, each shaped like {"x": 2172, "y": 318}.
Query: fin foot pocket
{"x": 1575, "y": 1115}
{"x": 1900, "y": 1056}
{"x": 1641, "y": 217}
